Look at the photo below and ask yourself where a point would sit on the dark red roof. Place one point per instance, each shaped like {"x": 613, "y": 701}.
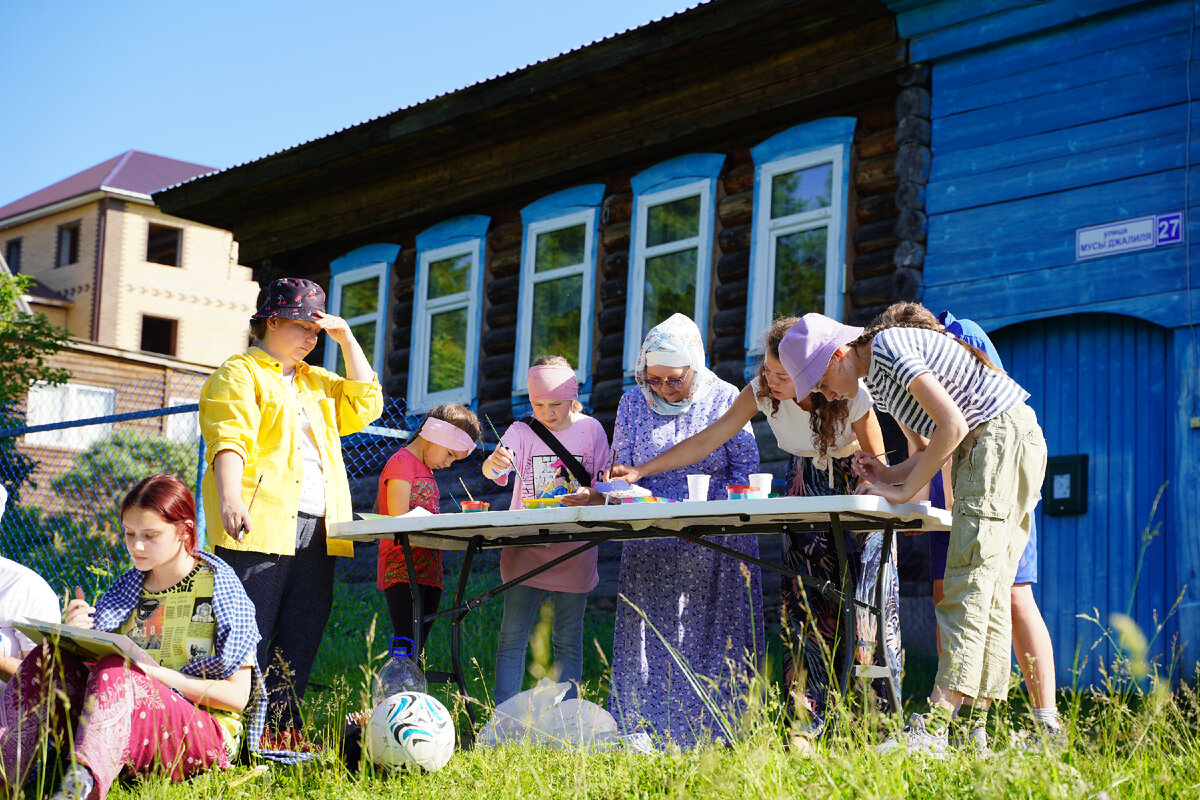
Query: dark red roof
{"x": 39, "y": 289}
{"x": 132, "y": 171}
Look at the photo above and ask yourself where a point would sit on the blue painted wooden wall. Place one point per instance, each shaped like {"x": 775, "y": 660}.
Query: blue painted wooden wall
{"x": 1046, "y": 117}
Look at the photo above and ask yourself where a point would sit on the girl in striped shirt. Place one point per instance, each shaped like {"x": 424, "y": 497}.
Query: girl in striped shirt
{"x": 950, "y": 393}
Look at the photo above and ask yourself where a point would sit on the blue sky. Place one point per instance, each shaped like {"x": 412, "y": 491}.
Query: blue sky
{"x": 222, "y": 82}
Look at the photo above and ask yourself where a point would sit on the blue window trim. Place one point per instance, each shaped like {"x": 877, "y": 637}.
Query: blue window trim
{"x": 382, "y": 257}
{"x": 694, "y": 168}
{"x": 459, "y": 235}
{"x": 809, "y": 137}
{"x": 582, "y": 202}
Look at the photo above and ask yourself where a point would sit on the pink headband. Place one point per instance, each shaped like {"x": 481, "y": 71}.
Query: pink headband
{"x": 550, "y": 382}
{"x": 448, "y": 436}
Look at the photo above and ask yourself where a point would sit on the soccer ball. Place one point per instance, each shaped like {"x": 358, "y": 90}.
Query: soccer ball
{"x": 411, "y": 729}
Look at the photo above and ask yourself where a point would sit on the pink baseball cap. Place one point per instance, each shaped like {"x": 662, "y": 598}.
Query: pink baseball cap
{"x": 809, "y": 345}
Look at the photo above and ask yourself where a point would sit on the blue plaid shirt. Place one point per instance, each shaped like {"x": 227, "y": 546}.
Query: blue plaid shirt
{"x": 236, "y": 643}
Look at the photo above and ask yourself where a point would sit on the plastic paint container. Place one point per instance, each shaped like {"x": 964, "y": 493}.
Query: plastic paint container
{"x": 541, "y": 502}
{"x": 470, "y": 506}
{"x": 738, "y": 492}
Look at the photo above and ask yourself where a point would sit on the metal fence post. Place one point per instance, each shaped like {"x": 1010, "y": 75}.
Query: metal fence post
{"x": 201, "y": 530}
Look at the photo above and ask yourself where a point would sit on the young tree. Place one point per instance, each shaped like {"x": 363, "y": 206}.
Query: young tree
{"x": 26, "y": 341}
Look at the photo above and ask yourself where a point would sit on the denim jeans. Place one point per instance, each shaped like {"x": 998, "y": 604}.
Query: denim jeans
{"x": 521, "y": 606}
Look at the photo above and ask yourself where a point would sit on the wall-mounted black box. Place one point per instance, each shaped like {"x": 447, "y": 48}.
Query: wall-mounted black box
{"x": 1066, "y": 488}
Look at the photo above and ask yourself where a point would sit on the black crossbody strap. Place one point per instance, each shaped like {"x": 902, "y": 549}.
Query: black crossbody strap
{"x": 577, "y": 471}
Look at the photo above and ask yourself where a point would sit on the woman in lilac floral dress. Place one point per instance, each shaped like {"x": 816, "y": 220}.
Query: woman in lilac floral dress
{"x": 701, "y": 602}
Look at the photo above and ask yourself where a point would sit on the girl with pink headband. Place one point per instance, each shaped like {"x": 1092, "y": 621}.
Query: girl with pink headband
{"x": 529, "y": 447}
{"x": 447, "y": 435}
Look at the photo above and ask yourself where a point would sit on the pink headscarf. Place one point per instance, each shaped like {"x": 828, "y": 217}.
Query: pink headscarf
{"x": 448, "y": 436}
{"x": 552, "y": 382}
{"x": 808, "y": 346}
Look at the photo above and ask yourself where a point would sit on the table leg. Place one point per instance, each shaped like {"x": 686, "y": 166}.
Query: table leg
{"x": 849, "y": 628}
{"x": 418, "y": 611}
{"x": 885, "y": 558}
{"x": 456, "y": 621}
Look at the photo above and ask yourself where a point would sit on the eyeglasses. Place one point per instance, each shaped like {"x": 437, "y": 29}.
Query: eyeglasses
{"x": 672, "y": 383}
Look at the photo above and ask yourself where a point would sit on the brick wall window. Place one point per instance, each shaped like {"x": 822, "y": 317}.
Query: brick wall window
{"x": 163, "y": 245}
{"x": 12, "y": 254}
{"x": 158, "y": 335}
{"x": 67, "y": 251}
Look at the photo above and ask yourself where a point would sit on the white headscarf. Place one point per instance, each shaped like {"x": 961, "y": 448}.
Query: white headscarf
{"x": 678, "y": 336}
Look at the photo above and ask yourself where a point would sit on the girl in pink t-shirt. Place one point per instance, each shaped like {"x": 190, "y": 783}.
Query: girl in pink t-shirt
{"x": 448, "y": 434}
{"x": 542, "y": 473}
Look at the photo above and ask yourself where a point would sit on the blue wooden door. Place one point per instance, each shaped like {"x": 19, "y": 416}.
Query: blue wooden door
{"x": 1098, "y": 384}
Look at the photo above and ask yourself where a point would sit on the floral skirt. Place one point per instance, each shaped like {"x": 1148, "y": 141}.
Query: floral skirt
{"x": 813, "y": 619}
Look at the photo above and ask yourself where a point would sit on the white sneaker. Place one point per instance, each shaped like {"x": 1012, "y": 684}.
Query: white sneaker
{"x": 916, "y": 738}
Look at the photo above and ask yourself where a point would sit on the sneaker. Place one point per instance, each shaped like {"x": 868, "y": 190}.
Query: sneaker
{"x": 77, "y": 784}
{"x": 916, "y": 738}
{"x": 970, "y": 736}
{"x": 1041, "y": 738}
{"x": 289, "y": 740}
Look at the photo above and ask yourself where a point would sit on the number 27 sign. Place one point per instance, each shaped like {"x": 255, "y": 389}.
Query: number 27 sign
{"x": 1170, "y": 228}
{"x": 1142, "y": 233}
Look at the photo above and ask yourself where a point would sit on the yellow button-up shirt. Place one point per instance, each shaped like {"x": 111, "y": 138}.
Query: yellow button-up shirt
{"x": 246, "y": 407}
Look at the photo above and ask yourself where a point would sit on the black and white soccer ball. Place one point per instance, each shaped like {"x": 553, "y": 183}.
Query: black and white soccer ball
{"x": 411, "y": 729}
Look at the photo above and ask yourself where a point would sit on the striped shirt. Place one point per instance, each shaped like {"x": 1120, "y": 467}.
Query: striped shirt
{"x": 899, "y": 355}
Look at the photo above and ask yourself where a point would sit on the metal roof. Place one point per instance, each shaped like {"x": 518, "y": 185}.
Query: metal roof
{"x": 132, "y": 171}
{"x": 436, "y": 97}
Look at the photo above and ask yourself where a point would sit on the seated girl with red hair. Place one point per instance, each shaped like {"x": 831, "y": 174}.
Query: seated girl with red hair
{"x": 183, "y": 715}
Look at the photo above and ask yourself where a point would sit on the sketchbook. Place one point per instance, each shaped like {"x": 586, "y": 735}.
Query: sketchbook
{"x": 84, "y": 642}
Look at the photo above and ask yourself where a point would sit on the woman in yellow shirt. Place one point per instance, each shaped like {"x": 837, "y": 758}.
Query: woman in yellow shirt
{"x": 272, "y": 426}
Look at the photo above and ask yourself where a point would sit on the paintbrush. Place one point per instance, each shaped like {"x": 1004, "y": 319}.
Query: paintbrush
{"x": 880, "y": 455}
{"x": 242, "y": 530}
{"x": 516, "y": 471}
{"x": 465, "y": 489}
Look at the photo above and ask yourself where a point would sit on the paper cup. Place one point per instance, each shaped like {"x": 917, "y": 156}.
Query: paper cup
{"x": 698, "y": 487}
{"x": 761, "y": 481}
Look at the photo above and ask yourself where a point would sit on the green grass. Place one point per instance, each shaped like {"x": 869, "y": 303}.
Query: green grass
{"x": 1132, "y": 747}
{"x": 1135, "y": 740}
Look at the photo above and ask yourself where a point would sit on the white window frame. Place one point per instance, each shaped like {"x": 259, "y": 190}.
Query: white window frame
{"x": 423, "y": 312}
{"x": 767, "y": 231}
{"x": 379, "y": 316}
{"x": 703, "y": 242}
{"x": 530, "y": 278}
{"x": 46, "y": 404}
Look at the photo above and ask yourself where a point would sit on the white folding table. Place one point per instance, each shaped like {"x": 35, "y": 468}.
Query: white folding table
{"x": 591, "y": 526}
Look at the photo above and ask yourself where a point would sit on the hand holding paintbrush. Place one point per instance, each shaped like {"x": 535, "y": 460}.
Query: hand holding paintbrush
{"x": 501, "y": 461}
{"x": 241, "y": 531}
{"x": 870, "y": 467}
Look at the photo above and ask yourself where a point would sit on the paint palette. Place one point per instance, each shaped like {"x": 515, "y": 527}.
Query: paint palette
{"x": 542, "y": 502}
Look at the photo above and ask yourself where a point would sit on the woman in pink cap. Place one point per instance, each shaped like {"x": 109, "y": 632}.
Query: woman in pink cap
{"x": 558, "y": 452}
{"x": 950, "y": 392}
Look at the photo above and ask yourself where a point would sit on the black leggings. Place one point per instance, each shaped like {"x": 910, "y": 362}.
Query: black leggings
{"x": 400, "y": 608}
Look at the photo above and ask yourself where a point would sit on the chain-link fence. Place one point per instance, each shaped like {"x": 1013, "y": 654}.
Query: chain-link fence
{"x": 71, "y": 453}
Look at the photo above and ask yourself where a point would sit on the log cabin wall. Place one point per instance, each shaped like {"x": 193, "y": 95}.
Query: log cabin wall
{"x": 720, "y": 78}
